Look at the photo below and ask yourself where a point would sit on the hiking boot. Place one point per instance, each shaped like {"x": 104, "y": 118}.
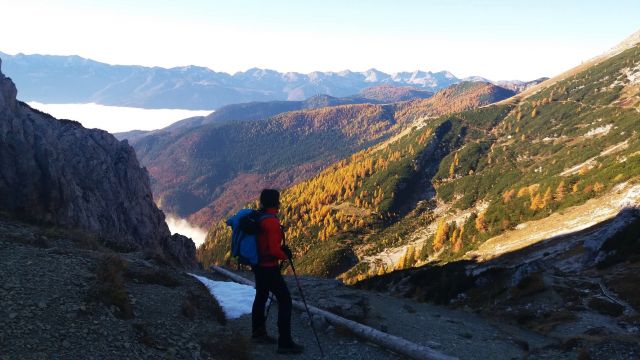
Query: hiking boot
{"x": 290, "y": 348}
{"x": 263, "y": 339}
{"x": 260, "y": 336}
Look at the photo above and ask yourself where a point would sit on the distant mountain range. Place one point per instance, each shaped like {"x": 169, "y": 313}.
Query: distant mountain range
{"x": 73, "y": 79}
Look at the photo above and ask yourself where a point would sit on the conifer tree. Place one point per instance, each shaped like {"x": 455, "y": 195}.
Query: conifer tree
{"x": 409, "y": 257}
{"x": 598, "y": 186}
{"x": 560, "y": 191}
{"x": 535, "y": 202}
{"x": 381, "y": 270}
{"x": 481, "y": 225}
{"x": 442, "y": 231}
{"x": 546, "y": 199}
{"x": 457, "y": 245}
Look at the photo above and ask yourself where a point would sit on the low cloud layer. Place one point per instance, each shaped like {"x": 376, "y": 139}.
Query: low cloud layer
{"x": 182, "y": 226}
{"x": 117, "y": 118}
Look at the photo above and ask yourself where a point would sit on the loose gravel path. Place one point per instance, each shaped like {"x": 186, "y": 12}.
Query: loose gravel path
{"x": 453, "y": 332}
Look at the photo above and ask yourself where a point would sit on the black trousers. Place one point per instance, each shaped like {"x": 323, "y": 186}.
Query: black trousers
{"x": 269, "y": 279}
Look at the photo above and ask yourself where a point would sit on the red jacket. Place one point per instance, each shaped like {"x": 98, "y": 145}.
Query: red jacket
{"x": 270, "y": 240}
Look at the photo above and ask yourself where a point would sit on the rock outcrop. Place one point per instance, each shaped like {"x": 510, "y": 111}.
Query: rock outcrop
{"x": 8, "y": 93}
{"x": 58, "y": 172}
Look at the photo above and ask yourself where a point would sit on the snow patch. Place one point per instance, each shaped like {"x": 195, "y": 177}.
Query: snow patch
{"x": 601, "y": 130}
{"x": 235, "y": 299}
{"x": 632, "y": 74}
{"x": 631, "y": 198}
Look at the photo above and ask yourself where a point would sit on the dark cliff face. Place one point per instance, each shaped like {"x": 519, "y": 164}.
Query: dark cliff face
{"x": 58, "y": 172}
{"x": 8, "y": 93}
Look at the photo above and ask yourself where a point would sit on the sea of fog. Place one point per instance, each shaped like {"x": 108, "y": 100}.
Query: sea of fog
{"x": 182, "y": 226}
{"x": 117, "y": 118}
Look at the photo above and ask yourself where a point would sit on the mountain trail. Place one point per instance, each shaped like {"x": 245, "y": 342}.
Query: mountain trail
{"x": 453, "y": 332}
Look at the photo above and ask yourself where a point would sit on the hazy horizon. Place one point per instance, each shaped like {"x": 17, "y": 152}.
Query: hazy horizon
{"x": 283, "y": 72}
{"x": 497, "y": 39}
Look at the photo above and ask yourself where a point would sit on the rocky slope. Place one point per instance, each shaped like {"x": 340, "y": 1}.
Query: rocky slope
{"x": 63, "y": 295}
{"x": 578, "y": 287}
{"x": 519, "y": 86}
{"x": 57, "y": 172}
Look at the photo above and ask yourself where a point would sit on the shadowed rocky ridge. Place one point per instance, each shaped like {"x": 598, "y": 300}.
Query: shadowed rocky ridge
{"x": 57, "y": 172}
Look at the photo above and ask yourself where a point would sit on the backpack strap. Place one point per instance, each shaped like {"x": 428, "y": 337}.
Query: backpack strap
{"x": 265, "y": 216}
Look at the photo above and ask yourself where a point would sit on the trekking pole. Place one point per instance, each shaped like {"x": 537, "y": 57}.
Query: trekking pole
{"x": 306, "y": 307}
{"x": 304, "y": 301}
{"x": 271, "y": 300}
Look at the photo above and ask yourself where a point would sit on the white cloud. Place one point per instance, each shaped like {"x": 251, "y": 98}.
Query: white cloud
{"x": 182, "y": 226}
{"x": 116, "y": 118}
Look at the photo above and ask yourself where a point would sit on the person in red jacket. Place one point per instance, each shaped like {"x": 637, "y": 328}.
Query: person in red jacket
{"x": 269, "y": 279}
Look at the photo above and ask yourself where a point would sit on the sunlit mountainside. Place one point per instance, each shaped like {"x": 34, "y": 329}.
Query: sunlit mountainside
{"x": 203, "y": 172}
{"x": 452, "y": 182}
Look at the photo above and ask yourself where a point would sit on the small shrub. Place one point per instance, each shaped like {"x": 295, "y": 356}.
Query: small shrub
{"x": 36, "y": 241}
{"x": 80, "y": 238}
{"x": 109, "y": 286}
{"x": 528, "y": 286}
{"x": 550, "y": 321}
{"x": 230, "y": 345}
{"x": 199, "y": 300}
{"x": 606, "y": 307}
{"x": 583, "y": 354}
{"x": 143, "y": 336}
{"x": 159, "y": 258}
{"x": 189, "y": 305}
{"x": 154, "y": 276}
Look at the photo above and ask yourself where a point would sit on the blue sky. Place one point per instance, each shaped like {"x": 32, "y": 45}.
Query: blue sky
{"x": 495, "y": 39}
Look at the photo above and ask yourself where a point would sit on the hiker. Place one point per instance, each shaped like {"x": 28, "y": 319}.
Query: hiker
{"x": 269, "y": 279}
